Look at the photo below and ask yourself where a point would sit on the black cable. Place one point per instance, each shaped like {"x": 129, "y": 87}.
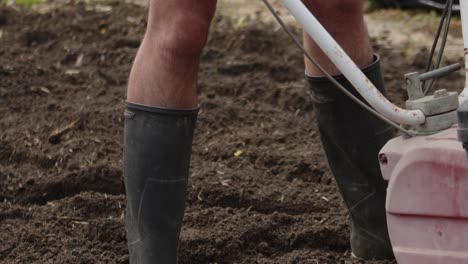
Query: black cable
{"x": 333, "y": 80}
{"x": 444, "y": 41}
{"x": 444, "y": 38}
{"x": 436, "y": 41}
{"x": 449, "y": 11}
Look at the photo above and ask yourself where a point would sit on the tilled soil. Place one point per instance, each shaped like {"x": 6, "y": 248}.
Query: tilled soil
{"x": 260, "y": 189}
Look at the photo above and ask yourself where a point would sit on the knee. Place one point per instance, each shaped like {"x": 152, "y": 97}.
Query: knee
{"x": 182, "y": 33}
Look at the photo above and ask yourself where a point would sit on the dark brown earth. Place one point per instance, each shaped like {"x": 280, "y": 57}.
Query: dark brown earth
{"x": 62, "y": 82}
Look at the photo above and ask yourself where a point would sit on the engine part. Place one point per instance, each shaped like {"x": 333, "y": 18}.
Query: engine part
{"x": 439, "y": 108}
{"x": 427, "y": 201}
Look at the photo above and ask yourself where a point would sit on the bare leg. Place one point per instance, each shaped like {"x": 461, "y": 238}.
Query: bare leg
{"x": 160, "y": 120}
{"x": 165, "y": 70}
{"x": 164, "y": 73}
{"x": 344, "y": 19}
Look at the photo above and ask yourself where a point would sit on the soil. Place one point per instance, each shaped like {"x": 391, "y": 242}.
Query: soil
{"x": 260, "y": 189}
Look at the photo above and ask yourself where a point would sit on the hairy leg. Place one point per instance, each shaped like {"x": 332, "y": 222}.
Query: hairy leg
{"x": 164, "y": 73}
{"x": 344, "y": 19}
{"x": 160, "y": 120}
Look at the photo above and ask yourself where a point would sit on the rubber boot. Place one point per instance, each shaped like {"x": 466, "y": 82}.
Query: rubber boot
{"x": 352, "y": 139}
{"x": 157, "y": 149}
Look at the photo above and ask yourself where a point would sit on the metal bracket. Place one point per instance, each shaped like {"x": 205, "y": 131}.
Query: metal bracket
{"x": 439, "y": 108}
{"x": 441, "y": 101}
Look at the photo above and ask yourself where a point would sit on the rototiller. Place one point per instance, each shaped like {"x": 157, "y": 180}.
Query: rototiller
{"x": 427, "y": 167}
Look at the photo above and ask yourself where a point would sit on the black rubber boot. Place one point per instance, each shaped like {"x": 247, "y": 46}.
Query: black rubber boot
{"x": 157, "y": 149}
{"x": 352, "y": 139}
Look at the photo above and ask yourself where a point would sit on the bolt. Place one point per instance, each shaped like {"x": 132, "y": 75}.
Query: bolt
{"x": 383, "y": 159}
{"x": 441, "y": 93}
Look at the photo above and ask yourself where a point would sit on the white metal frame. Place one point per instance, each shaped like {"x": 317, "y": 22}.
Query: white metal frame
{"x": 354, "y": 74}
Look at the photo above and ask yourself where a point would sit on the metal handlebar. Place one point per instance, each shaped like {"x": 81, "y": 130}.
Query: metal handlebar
{"x": 440, "y": 72}
{"x": 349, "y": 69}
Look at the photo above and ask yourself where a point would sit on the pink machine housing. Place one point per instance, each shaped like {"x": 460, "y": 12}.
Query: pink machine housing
{"x": 427, "y": 198}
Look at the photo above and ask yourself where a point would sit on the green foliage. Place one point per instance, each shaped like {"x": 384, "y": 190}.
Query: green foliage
{"x": 23, "y": 3}
{"x": 371, "y": 5}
